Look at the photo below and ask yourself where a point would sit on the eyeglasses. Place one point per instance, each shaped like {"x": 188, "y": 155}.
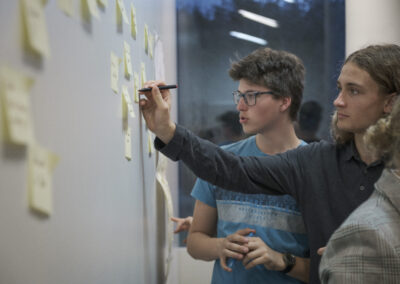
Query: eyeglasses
{"x": 249, "y": 97}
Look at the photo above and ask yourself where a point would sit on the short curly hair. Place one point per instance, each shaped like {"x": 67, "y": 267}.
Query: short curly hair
{"x": 278, "y": 70}
{"x": 383, "y": 138}
{"x": 382, "y": 63}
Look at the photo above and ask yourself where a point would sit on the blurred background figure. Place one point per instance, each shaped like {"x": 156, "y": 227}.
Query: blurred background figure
{"x": 310, "y": 115}
{"x": 231, "y": 128}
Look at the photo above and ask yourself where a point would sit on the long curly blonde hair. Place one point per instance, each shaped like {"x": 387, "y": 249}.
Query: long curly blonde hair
{"x": 382, "y": 62}
{"x": 383, "y": 138}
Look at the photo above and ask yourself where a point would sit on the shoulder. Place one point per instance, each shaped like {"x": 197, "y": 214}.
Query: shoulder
{"x": 242, "y": 146}
{"x": 372, "y": 229}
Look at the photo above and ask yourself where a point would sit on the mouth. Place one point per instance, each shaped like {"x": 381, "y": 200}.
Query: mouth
{"x": 342, "y": 115}
{"x": 243, "y": 119}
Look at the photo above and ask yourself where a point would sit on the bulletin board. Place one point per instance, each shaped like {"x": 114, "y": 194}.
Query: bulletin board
{"x": 79, "y": 198}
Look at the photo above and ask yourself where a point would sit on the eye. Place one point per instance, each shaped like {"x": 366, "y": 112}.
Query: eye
{"x": 354, "y": 91}
{"x": 338, "y": 88}
{"x": 250, "y": 95}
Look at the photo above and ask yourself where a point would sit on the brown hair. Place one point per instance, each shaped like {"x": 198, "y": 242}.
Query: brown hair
{"x": 382, "y": 62}
{"x": 384, "y": 137}
{"x": 278, "y": 70}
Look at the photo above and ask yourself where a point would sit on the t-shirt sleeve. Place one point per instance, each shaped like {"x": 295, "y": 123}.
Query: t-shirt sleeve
{"x": 204, "y": 192}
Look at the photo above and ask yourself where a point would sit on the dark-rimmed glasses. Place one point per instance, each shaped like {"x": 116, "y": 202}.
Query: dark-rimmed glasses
{"x": 249, "y": 97}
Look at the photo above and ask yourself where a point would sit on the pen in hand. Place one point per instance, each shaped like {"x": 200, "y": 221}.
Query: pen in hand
{"x": 166, "y": 87}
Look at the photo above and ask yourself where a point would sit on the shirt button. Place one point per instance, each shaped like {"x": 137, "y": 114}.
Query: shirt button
{"x": 362, "y": 187}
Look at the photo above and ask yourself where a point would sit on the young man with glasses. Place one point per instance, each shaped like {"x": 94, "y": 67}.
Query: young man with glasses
{"x": 268, "y": 98}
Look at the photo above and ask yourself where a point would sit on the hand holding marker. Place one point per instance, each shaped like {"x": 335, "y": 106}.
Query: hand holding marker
{"x": 231, "y": 261}
{"x": 166, "y": 87}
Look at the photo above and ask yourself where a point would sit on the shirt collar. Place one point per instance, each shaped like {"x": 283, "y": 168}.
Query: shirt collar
{"x": 389, "y": 185}
{"x": 351, "y": 151}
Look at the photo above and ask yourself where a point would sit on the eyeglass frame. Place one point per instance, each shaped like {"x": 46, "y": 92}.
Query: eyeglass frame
{"x": 244, "y": 96}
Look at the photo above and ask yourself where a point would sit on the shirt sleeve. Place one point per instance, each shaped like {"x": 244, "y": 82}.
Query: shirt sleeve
{"x": 359, "y": 254}
{"x": 275, "y": 174}
{"x": 204, "y": 192}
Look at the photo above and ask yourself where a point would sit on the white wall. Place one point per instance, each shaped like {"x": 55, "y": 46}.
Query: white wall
{"x": 371, "y": 22}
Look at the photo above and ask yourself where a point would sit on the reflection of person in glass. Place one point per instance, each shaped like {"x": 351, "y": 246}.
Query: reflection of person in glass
{"x": 365, "y": 248}
{"x": 328, "y": 180}
{"x": 268, "y": 97}
{"x": 310, "y": 115}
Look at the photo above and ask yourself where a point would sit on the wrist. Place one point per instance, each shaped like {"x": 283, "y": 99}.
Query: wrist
{"x": 167, "y": 133}
{"x": 289, "y": 261}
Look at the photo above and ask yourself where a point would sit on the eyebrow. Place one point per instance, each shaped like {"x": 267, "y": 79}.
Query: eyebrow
{"x": 350, "y": 84}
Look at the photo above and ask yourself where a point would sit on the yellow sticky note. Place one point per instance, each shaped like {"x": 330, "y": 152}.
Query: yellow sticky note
{"x": 133, "y": 21}
{"x": 103, "y": 3}
{"x": 127, "y": 60}
{"x": 40, "y": 163}
{"x": 18, "y": 116}
{"x": 115, "y": 61}
{"x": 146, "y": 39}
{"x": 121, "y": 12}
{"x": 128, "y": 144}
{"x": 127, "y": 103}
{"x": 16, "y": 105}
{"x": 151, "y": 44}
{"x": 150, "y": 142}
{"x": 143, "y": 73}
{"x": 35, "y": 21}
{"x": 67, "y": 6}
{"x": 136, "y": 87}
{"x": 92, "y": 5}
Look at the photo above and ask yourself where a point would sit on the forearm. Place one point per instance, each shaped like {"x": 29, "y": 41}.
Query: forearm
{"x": 202, "y": 246}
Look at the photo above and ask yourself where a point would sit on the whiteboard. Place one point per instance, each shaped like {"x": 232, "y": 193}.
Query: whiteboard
{"x": 108, "y": 219}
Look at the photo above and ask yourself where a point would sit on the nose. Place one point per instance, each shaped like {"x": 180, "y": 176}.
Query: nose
{"x": 241, "y": 106}
{"x": 339, "y": 101}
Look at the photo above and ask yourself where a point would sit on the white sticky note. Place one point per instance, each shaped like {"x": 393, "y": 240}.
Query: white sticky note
{"x": 35, "y": 21}
{"x": 136, "y": 87}
{"x": 92, "y": 5}
{"x": 40, "y": 163}
{"x": 127, "y": 103}
{"x": 133, "y": 22}
{"x": 121, "y": 12}
{"x": 67, "y": 6}
{"x": 146, "y": 39}
{"x": 115, "y": 61}
{"x": 128, "y": 144}
{"x": 127, "y": 60}
{"x": 143, "y": 73}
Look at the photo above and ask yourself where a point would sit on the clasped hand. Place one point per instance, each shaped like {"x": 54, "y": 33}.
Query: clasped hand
{"x": 251, "y": 251}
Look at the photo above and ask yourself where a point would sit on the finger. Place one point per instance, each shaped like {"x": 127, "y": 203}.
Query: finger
{"x": 251, "y": 255}
{"x": 222, "y": 262}
{"x": 236, "y": 238}
{"x": 245, "y": 232}
{"x": 185, "y": 241}
{"x": 321, "y": 251}
{"x": 253, "y": 262}
{"x": 236, "y": 248}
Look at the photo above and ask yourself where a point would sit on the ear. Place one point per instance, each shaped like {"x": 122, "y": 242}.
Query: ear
{"x": 389, "y": 102}
{"x": 285, "y": 103}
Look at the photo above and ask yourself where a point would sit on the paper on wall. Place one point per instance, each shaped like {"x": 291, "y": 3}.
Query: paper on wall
{"x": 35, "y": 24}
{"x": 121, "y": 12}
{"x": 115, "y": 61}
{"x": 41, "y": 164}
{"x": 67, "y": 6}
{"x": 133, "y": 22}
{"x": 128, "y": 144}
{"x": 127, "y": 60}
{"x": 162, "y": 184}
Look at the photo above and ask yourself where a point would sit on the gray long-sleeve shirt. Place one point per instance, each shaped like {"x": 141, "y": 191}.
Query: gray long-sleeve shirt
{"x": 328, "y": 181}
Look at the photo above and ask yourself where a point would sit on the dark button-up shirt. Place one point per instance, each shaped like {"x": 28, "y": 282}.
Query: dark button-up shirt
{"x": 366, "y": 247}
{"x": 328, "y": 181}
